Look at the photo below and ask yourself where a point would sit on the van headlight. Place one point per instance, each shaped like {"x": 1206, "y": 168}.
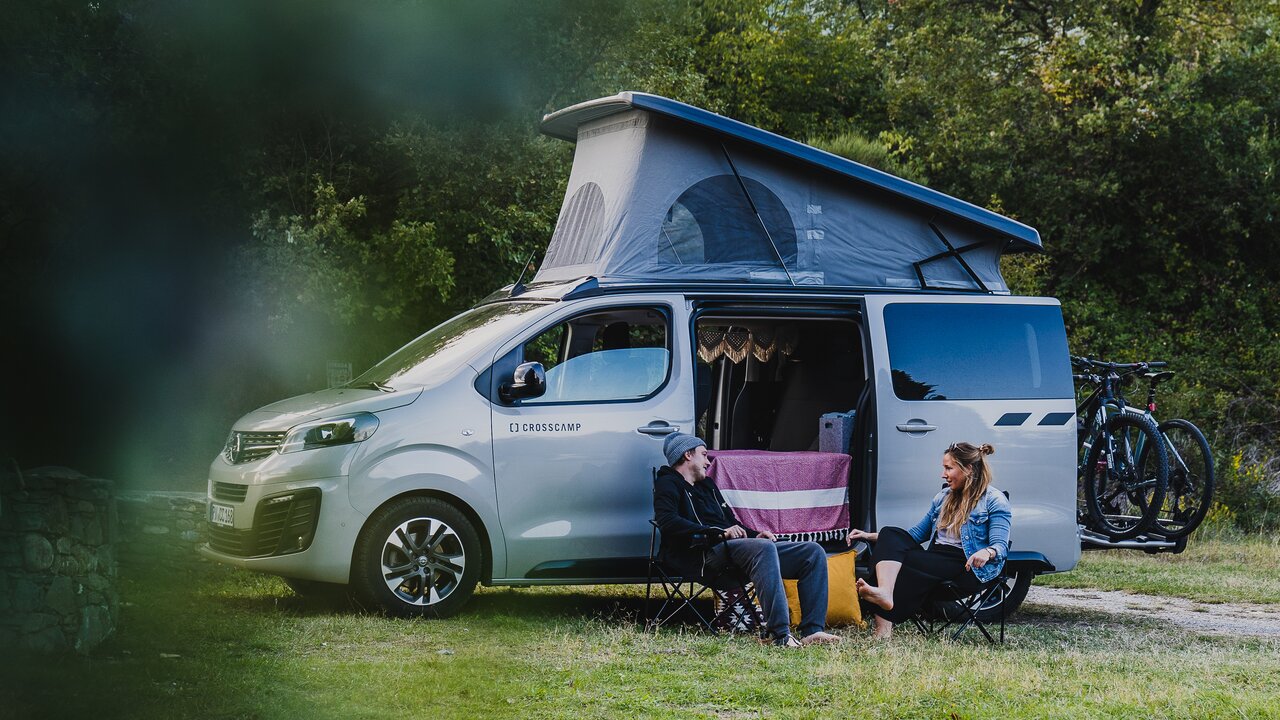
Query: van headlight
{"x": 326, "y": 433}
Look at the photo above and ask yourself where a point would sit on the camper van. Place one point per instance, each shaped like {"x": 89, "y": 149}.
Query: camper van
{"x": 705, "y": 276}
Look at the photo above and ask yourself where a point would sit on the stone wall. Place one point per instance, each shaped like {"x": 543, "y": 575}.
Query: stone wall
{"x": 162, "y": 530}
{"x": 58, "y": 567}
{"x": 64, "y": 538}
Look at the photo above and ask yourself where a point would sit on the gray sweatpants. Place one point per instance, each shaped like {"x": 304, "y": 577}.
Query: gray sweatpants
{"x": 767, "y": 563}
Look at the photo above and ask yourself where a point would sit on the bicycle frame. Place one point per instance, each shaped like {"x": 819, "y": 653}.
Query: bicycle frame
{"x": 1096, "y": 410}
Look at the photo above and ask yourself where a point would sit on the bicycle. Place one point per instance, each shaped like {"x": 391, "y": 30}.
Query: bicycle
{"x": 1124, "y": 468}
{"x": 1191, "y": 476}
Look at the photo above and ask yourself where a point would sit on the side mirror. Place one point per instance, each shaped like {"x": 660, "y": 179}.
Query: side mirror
{"x": 528, "y": 381}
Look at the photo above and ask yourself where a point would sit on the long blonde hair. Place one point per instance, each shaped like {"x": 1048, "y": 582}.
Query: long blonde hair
{"x": 956, "y": 508}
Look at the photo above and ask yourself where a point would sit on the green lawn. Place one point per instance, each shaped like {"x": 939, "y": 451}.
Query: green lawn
{"x": 1245, "y": 570}
{"x": 222, "y": 643}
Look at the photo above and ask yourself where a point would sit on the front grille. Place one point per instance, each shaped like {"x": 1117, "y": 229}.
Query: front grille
{"x": 229, "y": 540}
{"x": 283, "y": 523}
{"x": 243, "y": 447}
{"x": 229, "y": 492}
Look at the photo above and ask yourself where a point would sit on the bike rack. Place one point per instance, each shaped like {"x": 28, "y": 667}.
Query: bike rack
{"x": 1152, "y": 542}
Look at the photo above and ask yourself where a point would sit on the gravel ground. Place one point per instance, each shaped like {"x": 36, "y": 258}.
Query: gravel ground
{"x": 1239, "y": 619}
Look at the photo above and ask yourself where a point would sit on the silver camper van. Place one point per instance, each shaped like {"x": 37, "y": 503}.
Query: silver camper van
{"x": 704, "y": 276}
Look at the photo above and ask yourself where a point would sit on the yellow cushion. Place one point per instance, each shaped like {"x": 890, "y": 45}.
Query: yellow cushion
{"x": 842, "y": 594}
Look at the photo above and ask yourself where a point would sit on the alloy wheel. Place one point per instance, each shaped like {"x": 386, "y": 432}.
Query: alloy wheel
{"x": 423, "y": 561}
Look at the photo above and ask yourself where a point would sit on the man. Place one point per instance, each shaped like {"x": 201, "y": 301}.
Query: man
{"x": 687, "y": 503}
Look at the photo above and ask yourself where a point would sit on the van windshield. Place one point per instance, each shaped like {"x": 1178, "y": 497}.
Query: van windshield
{"x": 447, "y": 344}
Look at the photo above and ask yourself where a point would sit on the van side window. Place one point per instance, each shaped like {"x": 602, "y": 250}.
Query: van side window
{"x": 618, "y": 354}
{"x": 977, "y": 352}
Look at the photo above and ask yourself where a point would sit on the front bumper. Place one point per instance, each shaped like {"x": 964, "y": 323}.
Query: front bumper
{"x": 303, "y": 529}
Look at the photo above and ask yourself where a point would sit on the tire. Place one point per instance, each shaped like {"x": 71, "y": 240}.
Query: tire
{"x": 417, "y": 557}
{"x": 1016, "y": 585}
{"x": 1191, "y": 479}
{"x": 1123, "y": 499}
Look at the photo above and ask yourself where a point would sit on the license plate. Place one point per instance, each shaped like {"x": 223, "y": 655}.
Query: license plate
{"x": 222, "y": 515}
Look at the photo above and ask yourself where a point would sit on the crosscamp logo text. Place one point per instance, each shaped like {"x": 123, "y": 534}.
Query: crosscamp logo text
{"x": 544, "y": 427}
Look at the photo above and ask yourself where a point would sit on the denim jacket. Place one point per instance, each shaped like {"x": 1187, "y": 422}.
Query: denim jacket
{"x": 987, "y": 526}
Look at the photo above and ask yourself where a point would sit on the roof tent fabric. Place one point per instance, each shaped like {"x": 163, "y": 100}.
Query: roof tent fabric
{"x": 664, "y": 192}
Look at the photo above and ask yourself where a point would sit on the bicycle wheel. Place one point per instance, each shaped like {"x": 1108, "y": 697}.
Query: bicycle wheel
{"x": 1085, "y": 431}
{"x": 1190, "y": 479}
{"x": 1124, "y": 497}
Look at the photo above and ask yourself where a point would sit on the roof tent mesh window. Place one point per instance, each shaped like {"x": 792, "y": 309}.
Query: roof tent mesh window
{"x": 712, "y": 223}
{"x": 577, "y": 236}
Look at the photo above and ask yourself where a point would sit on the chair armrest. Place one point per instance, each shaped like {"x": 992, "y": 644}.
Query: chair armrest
{"x": 698, "y": 540}
{"x": 707, "y": 539}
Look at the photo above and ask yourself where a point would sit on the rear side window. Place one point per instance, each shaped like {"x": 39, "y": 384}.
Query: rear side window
{"x": 977, "y": 352}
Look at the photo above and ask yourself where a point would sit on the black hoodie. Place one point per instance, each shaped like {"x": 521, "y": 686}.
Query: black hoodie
{"x": 684, "y": 511}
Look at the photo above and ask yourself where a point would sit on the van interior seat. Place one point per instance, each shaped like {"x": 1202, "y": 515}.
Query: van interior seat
{"x": 825, "y": 375}
{"x": 752, "y": 416}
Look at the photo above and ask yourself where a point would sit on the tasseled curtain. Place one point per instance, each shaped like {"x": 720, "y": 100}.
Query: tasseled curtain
{"x": 737, "y": 343}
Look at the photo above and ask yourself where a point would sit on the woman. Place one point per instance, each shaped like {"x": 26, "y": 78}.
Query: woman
{"x": 968, "y": 523}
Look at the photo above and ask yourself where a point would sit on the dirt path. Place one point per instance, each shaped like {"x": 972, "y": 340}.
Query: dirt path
{"x": 1247, "y": 619}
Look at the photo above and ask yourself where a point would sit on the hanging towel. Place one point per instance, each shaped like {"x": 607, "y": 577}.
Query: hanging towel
{"x": 795, "y": 495}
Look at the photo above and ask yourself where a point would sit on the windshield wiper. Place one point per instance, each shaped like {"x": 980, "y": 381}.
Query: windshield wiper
{"x": 374, "y": 385}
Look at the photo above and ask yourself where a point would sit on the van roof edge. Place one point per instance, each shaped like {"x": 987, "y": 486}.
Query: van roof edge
{"x": 564, "y": 123}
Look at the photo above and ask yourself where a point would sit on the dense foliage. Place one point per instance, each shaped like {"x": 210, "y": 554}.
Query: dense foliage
{"x": 200, "y": 194}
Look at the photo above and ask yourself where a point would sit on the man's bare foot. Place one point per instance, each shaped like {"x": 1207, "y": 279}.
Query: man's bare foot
{"x": 820, "y": 638}
{"x": 874, "y": 595}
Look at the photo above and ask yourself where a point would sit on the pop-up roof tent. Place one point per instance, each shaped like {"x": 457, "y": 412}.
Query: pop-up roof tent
{"x": 664, "y": 192}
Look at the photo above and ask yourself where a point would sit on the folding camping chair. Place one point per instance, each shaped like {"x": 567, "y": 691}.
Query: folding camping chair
{"x": 948, "y": 606}
{"x": 731, "y": 590}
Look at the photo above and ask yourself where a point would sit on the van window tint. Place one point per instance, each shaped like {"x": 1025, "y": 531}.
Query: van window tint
{"x": 619, "y": 354}
{"x": 977, "y": 352}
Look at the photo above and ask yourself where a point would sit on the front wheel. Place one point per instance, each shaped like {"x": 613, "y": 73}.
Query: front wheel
{"x": 1122, "y": 494}
{"x": 1191, "y": 479}
{"x": 417, "y": 556}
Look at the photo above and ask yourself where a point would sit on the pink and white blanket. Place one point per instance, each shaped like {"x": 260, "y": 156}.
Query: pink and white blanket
{"x": 795, "y": 495}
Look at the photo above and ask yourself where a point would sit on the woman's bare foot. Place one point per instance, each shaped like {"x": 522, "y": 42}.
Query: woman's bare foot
{"x": 874, "y": 595}
{"x": 884, "y": 629}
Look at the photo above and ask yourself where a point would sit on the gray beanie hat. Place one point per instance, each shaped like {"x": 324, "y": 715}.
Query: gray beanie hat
{"x": 677, "y": 444}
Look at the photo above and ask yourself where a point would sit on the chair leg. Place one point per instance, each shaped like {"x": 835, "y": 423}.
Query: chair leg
{"x": 673, "y": 595}
{"x": 678, "y": 600}
{"x": 967, "y": 608}
{"x": 971, "y": 612}
{"x": 648, "y": 593}
{"x": 972, "y": 619}
{"x": 924, "y": 626}
{"x": 1002, "y": 604}
{"x": 695, "y": 594}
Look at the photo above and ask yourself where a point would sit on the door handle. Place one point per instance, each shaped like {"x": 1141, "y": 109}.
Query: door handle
{"x": 916, "y": 426}
{"x": 658, "y": 428}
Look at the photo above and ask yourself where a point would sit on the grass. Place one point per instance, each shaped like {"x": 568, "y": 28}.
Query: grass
{"x": 1214, "y": 570}
{"x": 217, "y": 642}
